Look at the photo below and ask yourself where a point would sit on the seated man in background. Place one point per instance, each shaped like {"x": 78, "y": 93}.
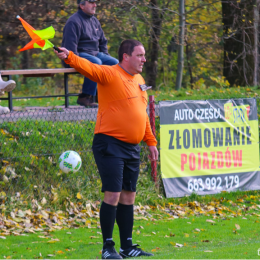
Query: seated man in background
{"x": 6, "y": 86}
{"x": 84, "y": 36}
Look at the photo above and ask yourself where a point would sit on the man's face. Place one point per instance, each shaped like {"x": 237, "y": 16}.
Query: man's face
{"x": 89, "y": 8}
{"x": 136, "y": 60}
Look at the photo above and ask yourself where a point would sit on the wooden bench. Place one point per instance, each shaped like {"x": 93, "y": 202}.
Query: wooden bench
{"x": 39, "y": 73}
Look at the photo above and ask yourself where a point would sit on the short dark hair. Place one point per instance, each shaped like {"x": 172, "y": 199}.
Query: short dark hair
{"x": 127, "y": 46}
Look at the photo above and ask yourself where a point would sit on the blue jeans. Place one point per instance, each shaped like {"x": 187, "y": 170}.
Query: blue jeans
{"x": 90, "y": 87}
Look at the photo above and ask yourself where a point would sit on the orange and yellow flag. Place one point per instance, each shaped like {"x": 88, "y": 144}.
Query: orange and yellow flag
{"x": 40, "y": 38}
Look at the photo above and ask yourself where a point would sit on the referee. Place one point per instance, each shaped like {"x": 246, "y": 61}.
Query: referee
{"x": 122, "y": 123}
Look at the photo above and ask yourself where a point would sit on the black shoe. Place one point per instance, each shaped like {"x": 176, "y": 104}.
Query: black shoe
{"x": 133, "y": 251}
{"x": 87, "y": 101}
{"x": 109, "y": 252}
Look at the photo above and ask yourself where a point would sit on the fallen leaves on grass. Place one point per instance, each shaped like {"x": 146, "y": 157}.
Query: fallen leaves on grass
{"x": 237, "y": 226}
{"x": 17, "y": 219}
{"x": 176, "y": 244}
{"x": 39, "y": 219}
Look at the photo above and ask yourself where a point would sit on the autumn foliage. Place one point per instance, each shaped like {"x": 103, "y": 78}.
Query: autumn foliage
{"x": 212, "y": 27}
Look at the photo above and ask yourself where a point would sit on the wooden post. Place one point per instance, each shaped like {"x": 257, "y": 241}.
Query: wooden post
{"x": 152, "y": 122}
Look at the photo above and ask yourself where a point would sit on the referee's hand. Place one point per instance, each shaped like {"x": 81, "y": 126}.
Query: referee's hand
{"x": 153, "y": 156}
{"x": 63, "y": 54}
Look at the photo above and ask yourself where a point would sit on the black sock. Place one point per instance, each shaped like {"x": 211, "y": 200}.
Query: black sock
{"x": 107, "y": 220}
{"x": 125, "y": 222}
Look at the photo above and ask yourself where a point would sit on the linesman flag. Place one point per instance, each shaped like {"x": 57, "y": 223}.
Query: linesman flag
{"x": 40, "y": 38}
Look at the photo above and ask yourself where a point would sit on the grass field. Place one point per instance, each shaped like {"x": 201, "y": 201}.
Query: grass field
{"x": 224, "y": 226}
{"x": 201, "y": 237}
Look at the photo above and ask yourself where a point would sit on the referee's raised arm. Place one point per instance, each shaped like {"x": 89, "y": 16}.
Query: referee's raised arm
{"x": 98, "y": 73}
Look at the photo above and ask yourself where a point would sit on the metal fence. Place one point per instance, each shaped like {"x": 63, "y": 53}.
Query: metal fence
{"x": 41, "y": 73}
{"x": 31, "y": 142}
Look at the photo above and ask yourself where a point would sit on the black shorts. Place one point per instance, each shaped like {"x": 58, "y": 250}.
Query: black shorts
{"x": 118, "y": 163}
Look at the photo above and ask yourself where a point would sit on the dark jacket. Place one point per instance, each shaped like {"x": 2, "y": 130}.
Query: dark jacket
{"x": 83, "y": 33}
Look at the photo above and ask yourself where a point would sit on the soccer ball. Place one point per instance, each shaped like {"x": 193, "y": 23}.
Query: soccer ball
{"x": 70, "y": 162}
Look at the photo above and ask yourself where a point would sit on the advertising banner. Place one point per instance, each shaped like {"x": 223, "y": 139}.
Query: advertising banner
{"x": 209, "y": 146}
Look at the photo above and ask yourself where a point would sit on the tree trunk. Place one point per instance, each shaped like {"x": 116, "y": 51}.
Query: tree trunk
{"x": 256, "y": 42}
{"x": 181, "y": 45}
{"x": 240, "y": 37}
{"x": 153, "y": 45}
{"x": 188, "y": 55}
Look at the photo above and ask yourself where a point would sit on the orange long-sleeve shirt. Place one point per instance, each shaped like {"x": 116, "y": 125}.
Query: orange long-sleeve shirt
{"x": 122, "y": 104}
